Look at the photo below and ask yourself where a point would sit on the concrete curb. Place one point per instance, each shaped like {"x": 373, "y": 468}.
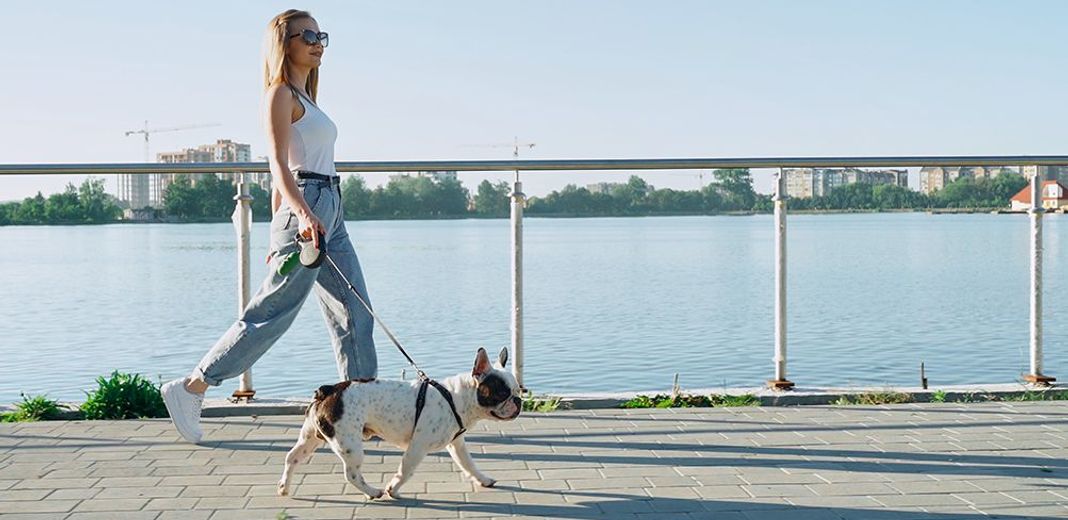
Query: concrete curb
{"x": 767, "y": 397}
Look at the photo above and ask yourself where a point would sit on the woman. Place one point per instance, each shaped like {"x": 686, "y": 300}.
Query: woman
{"x": 307, "y": 199}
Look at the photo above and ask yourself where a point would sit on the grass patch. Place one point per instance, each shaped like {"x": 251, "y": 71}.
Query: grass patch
{"x": 543, "y": 404}
{"x": 690, "y": 401}
{"x": 1039, "y": 395}
{"x": 870, "y": 398}
{"x": 124, "y": 396}
{"x": 735, "y": 400}
{"x": 36, "y": 408}
{"x": 938, "y": 396}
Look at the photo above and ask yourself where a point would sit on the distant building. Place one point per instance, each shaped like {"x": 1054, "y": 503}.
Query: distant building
{"x": 602, "y": 187}
{"x": 436, "y": 176}
{"x": 141, "y": 214}
{"x": 222, "y": 151}
{"x": 1049, "y": 173}
{"x": 805, "y": 183}
{"x": 934, "y": 178}
{"x": 1054, "y": 197}
{"x": 609, "y": 187}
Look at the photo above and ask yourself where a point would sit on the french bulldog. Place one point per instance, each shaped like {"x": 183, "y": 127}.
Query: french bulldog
{"x": 348, "y": 413}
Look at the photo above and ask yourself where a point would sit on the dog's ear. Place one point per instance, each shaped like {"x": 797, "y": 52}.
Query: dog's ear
{"x": 502, "y": 358}
{"x": 482, "y": 363}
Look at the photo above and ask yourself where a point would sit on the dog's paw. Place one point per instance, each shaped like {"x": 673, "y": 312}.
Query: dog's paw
{"x": 394, "y": 493}
{"x": 375, "y": 494}
{"x": 283, "y": 490}
{"x": 485, "y": 482}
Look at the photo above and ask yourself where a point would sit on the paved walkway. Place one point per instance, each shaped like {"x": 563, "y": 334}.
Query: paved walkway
{"x": 932, "y": 461}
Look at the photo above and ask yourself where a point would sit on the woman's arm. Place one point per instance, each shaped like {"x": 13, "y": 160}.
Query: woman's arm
{"x": 278, "y": 122}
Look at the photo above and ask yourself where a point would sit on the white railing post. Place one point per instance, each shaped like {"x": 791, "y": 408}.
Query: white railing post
{"x": 242, "y": 219}
{"x": 780, "y": 382}
{"x": 517, "y": 279}
{"x": 1036, "y": 376}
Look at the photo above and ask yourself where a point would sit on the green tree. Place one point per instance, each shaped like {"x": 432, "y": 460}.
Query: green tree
{"x": 216, "y": 196}
{"x": 450, "y": 197}
{"x": 181, "y": 200}
{"x": 63, "y": 207}
{"x": 355, "y": 197}
{"x": 31, "y": 211}
{"x": 6, "y": 213}
{"x": 261, "y": 202}
{"x": 736, "y": 186}
{"x": 493, "y": 199}
{"x": 96, "y": 205}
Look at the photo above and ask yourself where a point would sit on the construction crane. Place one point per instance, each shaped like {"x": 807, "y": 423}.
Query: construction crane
{"x": 514, "y": 145}
{"x": 147, "y": 131}
{"x": 144, "y": 190}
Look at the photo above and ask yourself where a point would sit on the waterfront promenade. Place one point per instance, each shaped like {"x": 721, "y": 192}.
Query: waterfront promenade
{"x": 917, "y": 461}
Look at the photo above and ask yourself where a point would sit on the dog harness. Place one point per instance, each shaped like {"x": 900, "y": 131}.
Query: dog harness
{"x": 420, "y": 401}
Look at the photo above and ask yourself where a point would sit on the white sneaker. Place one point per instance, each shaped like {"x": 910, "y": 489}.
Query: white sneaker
{"x": 184, "y": 408}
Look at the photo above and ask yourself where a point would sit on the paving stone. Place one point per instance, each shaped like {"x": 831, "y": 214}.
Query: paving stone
{"x": 918, "y": 460}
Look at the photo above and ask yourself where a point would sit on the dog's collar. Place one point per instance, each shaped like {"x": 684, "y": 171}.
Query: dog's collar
{"x": 420, "y": 401}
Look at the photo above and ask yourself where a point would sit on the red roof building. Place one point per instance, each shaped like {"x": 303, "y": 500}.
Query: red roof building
{"x": 1054, "y": 197}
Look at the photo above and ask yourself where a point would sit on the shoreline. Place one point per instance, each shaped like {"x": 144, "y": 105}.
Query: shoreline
{"x": 930, "y": 211}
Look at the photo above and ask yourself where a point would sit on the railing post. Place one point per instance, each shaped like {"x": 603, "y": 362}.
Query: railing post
{"x": 517, "y": 279}
{"x": 242, "y": 219}
{"x": 780, "y": 382}
{"x": 1036, "y": 376}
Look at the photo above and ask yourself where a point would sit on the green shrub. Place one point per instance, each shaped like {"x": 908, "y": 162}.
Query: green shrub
{"x": 690, "y": 401}
{"x": 124, "y": 396}
{"x": 735, "y": 400}
{"x": 541, "y": 404}
{"x": 938, "y": 396}
{"x": 641, "y": 401}
{"x": 36, "y": 408}
{"x": 887, "y": 397}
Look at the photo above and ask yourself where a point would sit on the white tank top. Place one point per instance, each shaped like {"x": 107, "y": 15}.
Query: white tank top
{"x": 311, "y": 142}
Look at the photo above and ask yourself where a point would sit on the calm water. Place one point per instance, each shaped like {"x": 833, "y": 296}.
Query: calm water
{"x": 611, "y": 304}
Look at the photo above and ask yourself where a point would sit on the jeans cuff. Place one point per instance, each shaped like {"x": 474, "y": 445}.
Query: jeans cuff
{"x": 199, "y": 373}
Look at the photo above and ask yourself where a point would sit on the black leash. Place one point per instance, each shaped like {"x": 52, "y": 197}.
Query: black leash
{"x": 420, "y": 400}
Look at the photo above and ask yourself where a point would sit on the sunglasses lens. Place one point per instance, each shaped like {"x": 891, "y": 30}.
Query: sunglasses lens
{"x": 324, "y": 39}
{"x": 309, "y": 36}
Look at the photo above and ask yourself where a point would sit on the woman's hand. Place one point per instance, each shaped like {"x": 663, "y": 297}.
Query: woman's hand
{"x": 310, "y": 226}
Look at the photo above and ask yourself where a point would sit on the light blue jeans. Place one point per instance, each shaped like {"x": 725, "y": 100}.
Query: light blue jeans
{"x": 271, "y": 311}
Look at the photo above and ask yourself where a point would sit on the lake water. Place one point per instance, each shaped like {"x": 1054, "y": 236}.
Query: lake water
{"x": 612, "y": 304}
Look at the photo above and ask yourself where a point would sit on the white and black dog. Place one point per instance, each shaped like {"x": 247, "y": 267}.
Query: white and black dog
{"x": 407, "y": 415}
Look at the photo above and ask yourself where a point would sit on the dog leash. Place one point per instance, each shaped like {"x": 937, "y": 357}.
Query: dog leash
{"x": 420, "y": 401}
{"x": 419, "y": 371}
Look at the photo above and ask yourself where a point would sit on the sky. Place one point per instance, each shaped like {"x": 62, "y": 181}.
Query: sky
{"x": 410, "y": 80}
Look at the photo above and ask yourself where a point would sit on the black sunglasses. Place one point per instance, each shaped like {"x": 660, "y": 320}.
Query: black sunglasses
{"x": 311, "y": 37}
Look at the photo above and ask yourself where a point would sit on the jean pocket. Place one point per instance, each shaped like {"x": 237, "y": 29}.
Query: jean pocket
{"x": 282, "y": 218}
{"x": 312, "y": 193}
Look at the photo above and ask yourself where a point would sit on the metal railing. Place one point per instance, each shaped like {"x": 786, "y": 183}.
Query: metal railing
{"x": 242, "y": 218}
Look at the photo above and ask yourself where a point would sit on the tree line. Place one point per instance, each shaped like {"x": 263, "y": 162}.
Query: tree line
{"x": 211, "y": 198}
{"x": 85, "y": 204}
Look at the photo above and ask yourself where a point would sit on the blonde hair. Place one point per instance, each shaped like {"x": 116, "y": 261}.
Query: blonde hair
{"x": 274, "y": 53}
